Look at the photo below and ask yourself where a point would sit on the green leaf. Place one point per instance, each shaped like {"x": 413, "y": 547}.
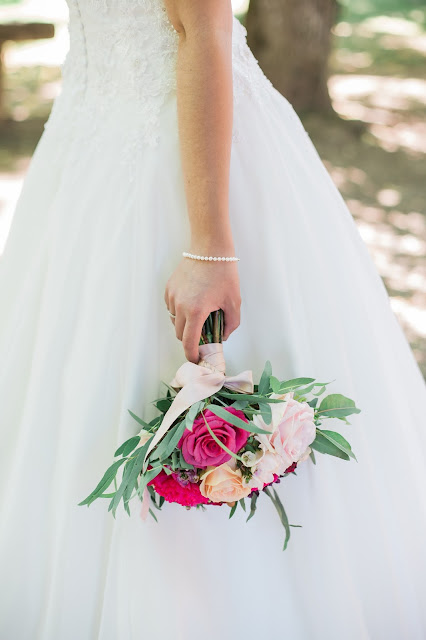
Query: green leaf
{"x": 243, "y": 504}
{"x": 146, "y": 425}
{"x": 235, "y": 420}
{"x": 168, "y": 443}
{"x": 253, "y": 501}
{"x": 234, "y": 508}
{"x": 251, "y": 398}
{"x": 175, "y": 460}
{"x": 240, "y": 404}
{"x": 313, "y": 403}
{"x": 193, "y": 412}
{"x": 275, "y": 384}
{"x": 127, "y": 447}
{"x": 339, "y": 441}
{"x": 337, "y": 406}
{"x": 312, "y": 457}
{"x": 129, "y": 479}
{"x": 153, "y": 515}
{"x": 305, "y": 390}
{"x": 319, "y": 392}
{"x": 324, "y": 445}
{"x": 295, "y": 383}
{"x": 104, "y": 483}
{"x": 164, "y": 404}
{"x": 266, "y": 412}
{"x": 264, "y": 386}
{"x": 219, "y": 442}
{"x": 147, "y": 477}
{"x": 183, "y": 464}
{"x": 177, "y": 434}
{"x": 281, "y": 512}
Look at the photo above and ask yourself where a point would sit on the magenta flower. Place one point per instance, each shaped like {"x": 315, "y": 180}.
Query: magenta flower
{"x": 201, "y": 450}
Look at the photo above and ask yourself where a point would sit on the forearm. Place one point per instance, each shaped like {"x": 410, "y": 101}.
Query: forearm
{"x": 204, "y": 101}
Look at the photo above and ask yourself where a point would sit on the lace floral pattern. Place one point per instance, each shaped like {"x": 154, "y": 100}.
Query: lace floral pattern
{"x": 128, "y": 48}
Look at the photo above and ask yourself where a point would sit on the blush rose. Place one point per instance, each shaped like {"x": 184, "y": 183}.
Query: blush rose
{"x": 292, "y": 430}
{"x": 199, "y": 447}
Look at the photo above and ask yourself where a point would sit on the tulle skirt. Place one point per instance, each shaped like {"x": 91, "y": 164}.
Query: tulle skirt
{"x": 85, "y": 336}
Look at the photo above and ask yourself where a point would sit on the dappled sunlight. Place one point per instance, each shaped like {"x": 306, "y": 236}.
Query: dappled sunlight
{"x": 384, "y": 104}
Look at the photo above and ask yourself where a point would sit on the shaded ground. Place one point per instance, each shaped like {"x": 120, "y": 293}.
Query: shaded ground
{"x": 376, "y": 151}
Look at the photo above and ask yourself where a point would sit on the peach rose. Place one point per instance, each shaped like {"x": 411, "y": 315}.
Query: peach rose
{"x": 223, "y": 483}
{"x": 292, "y": 429}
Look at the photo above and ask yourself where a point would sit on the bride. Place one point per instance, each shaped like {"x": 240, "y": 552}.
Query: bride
{"x": 167, "y": 138}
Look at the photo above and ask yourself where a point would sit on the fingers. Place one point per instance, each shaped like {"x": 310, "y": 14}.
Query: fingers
{"x": 231, "y": 314}
{"x": 191, "y": 335}
{"x": 169, "y": 300}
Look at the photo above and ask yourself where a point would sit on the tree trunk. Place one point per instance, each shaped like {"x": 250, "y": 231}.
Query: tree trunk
{"x": 291, "y": 40}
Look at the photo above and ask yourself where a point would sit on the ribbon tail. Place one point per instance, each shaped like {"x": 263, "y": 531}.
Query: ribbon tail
{"x": 242, "y": 382}
{"x": 192, "y": 392}
{"x": 145, "y": 504}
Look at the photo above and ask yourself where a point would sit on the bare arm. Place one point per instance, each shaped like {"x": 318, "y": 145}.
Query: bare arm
{"x": 204, "y": 101}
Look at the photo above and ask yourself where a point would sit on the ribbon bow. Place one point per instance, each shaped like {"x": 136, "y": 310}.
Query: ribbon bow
{"x": 199, "y": 381}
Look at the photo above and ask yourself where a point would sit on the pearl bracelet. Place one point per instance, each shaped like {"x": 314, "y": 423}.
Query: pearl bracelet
{"x": 215, "y": 258}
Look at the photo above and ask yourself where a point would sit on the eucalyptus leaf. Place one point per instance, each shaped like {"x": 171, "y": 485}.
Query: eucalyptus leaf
{"x": 233, "y": 509}
{"x": 305, "y": 390}
{"x": 312, "y": 457}
{"x": 219, "y": 442}
{"x": 264, "y": 385}
{"x": 147, "y": 477}
{"x": 164, "y": 404}
{"x": 240, "y": 404}
{"x": 324, "y": 445}
{"x": 266, "y": 412}
{"x": 281, "y": 512}
{"x": 295, "y": 383}
{"x": 337, "y": 406}
{"x": 129, "y": 478}
{"x": 251, "y": 398}
{"x": 275, "y": 384}
{"x": 320, "y": 391}
{"x": 339, "y": 441}
{"x": 243, "y": 504}
{"x": 235, "y": 420}
{"x": 127, "y": 447}
{"x": 253, "y": 501}
{"x": 183, "y": 464}
{"x": 146, "y": 425}
{"x": 153, "y": 515}
{"x": 193, "y": 412}
{"x": 104, "y": 483}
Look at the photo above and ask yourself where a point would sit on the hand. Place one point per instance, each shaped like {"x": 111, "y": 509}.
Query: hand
{"x": 195, "y": 289}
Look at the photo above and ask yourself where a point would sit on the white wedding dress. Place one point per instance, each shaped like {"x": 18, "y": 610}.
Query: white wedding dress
{"x": 85, "y": 336}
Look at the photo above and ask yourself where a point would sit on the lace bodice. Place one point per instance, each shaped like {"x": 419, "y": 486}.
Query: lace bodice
{"x": 126, "y": 50}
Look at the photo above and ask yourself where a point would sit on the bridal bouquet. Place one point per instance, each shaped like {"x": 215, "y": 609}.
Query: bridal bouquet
{"x": 222, "y": 439}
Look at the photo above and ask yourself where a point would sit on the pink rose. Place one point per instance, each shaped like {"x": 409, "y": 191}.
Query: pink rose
{"x": 292, "y": 430}
{"x": 201, "y": 450}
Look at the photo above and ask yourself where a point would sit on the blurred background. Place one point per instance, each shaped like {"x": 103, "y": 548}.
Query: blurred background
{"x": 355, "y": 73}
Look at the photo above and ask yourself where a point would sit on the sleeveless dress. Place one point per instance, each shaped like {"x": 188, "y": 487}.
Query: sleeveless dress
{"x": 85, "y": 336}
